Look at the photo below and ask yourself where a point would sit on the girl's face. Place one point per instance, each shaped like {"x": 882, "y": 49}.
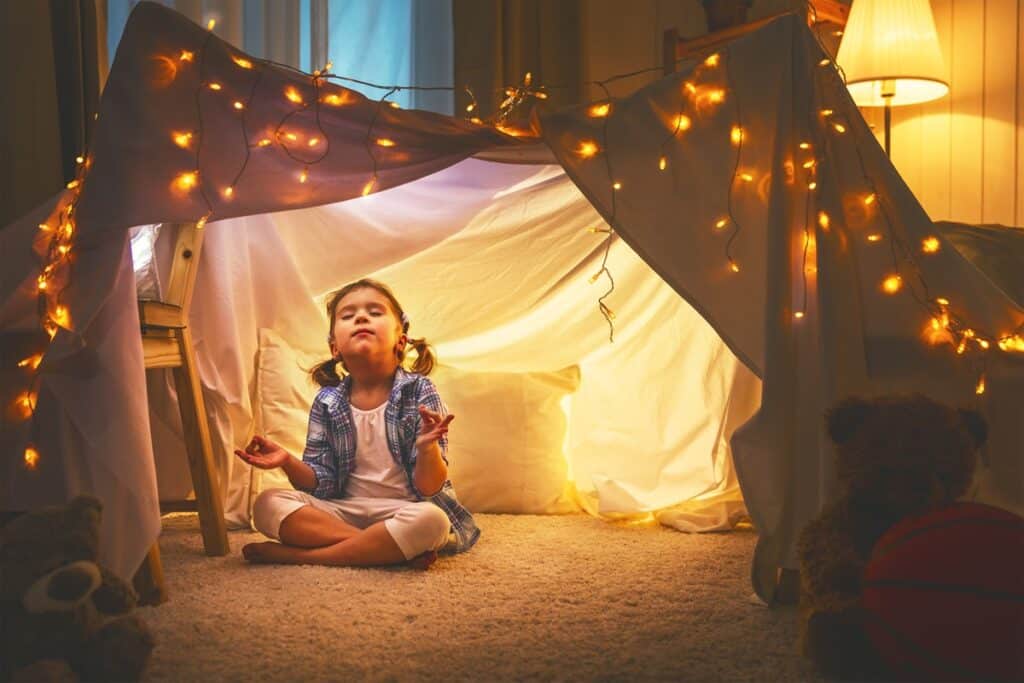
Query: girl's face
{"x": 365, "y": 326}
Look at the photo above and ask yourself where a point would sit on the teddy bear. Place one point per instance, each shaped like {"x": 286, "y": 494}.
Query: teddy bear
{"x": 897, "y": 456}
{"x": 63, "y": 617}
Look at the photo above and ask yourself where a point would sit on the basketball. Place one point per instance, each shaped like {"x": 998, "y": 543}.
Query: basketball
{"x": 944, "y": 595}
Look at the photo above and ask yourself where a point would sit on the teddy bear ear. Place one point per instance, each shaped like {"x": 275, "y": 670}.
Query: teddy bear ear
{"x": 976, "y": 426}
{"x": 846, "y": 417}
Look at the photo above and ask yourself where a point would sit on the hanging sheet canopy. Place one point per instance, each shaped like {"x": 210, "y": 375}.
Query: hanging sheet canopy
{"x": 747, "y": 181}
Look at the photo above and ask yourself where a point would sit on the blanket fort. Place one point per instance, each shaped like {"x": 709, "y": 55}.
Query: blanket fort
{"x": 747, "y": 182}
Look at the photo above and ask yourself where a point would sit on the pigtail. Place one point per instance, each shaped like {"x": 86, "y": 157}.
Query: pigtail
{"x": 425, "y": 358}
{"x": 326, "y": 373}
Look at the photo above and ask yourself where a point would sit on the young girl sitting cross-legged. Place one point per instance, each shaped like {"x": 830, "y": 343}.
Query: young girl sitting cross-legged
{"x": 372, "y": 486}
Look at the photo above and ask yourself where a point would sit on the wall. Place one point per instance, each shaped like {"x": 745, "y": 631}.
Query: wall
{"x": 963, "y": 155}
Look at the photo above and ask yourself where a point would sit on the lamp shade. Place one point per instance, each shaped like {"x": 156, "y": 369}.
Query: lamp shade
{"x": 890, "y": 51}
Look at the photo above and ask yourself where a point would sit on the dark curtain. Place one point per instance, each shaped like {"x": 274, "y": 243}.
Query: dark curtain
{"x": 50, "y": 82}
{"x": 498, "y": 41}
{"x": 75, "y": 55}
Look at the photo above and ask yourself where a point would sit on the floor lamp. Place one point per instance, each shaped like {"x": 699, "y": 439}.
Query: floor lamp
{"x": 891, "y": 57}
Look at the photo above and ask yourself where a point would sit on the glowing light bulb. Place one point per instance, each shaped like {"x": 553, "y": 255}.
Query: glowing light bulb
{"x": 242, "y": 62}
{"x": 30, "y": 458}
{"x": 304, "y": 176}
{"x": 681, "y": 122}
{"x": 798, "y": 315}
{"x": 961, "y": 347}
{"x": 587, "y": 149}
{"x": 599, "y": 110}
{"x": 385, "y": 142}
{"x": 736, "y": 135}
{"x": 201, "y": 223}
{"x": 31, "y": 362}
{"x": 869, "y": 199}
{"x": 662, "y": 163}
{"x": 238, "y": 105}
{"x": 979, "y": 388}
{"x": 983, "y": 343}
{"x": 188, "y": 180}
{"x": 79, "y": 159}
{"x": 826, "y": 112}
{"x": 823, "y": 220}
{"x": 182, "y": 140}
{"x": 733, "y": 266}
{"x": 616, "y": 185}
{"x": 44, "y": 227}
{"x": 313, "y": 142}
{"x": 368, "y": 187}
{"x": 716, "y": 96}
{"x": 712, "y": 60}
{"x": 186, "y": 56}
{"x": 394, "y": 105}
{"x": 746, "y": 177}
{"x": 61, "y": 317}
{"x": 812, "y": 185}
{"x": 874, "y": 237}
{"x": 293, "y": 95}
{"x": 805, "y": 145}
{"x": 942, "y": 301}
{"x": 825, "y": 62}
{"x": 291, "y": 136}
{"x": 210, "y": 24}
{"x": 336, "y": 100}
{"x": 722, "y": 222}
{"x": 228, "y": 192}
{"x": 930, "y": 245}
{"x": 892, "y": 284}
{"x": 809, "y": 164}
{"x": 214, "y": 86}
{"x": 64, "y": 249}
{"x": 264, "y": 142}
{"x": 840, "y": 128}
{"x": 470, "y": 107}
{"x": 593, "y": 278}
{"x": 690, "y": 87}
{"x": 73, "y": 184}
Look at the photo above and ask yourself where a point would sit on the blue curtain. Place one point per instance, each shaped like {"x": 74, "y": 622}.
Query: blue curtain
{"x": 390, "y": 42}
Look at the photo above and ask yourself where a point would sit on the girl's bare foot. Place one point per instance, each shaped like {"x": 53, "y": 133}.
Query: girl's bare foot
{"x": 263, "y": 552}
{"x": 423, "y": 561}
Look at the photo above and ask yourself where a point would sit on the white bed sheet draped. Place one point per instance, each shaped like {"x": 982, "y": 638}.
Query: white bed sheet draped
{"x": 491, "y": 262}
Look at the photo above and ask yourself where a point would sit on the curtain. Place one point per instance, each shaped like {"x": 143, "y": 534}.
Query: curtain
{"x": 496, "y": 43}
{"x": 391, "y": 42}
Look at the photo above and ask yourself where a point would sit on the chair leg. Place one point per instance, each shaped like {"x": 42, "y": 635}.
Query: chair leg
{"x": 149, "y": 579}
{"x": 200, "y": 450}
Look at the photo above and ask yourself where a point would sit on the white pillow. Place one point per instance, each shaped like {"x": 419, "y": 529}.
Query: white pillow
{"x": 505, "y": 448}
{"x": 284, "y": 392}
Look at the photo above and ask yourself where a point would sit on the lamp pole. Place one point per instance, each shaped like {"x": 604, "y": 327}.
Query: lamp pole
{"x": 888, "y": 92}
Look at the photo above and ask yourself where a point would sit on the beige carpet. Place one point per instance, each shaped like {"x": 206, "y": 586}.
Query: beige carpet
{"x": 538, "y": 598}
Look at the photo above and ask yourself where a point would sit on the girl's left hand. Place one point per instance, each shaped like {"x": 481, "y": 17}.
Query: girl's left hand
{"x": 432, "y": 426}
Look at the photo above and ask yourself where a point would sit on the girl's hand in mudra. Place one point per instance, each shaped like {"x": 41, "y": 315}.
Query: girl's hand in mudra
{"x": 432, "y": 426}
{"x": 263, "y": 453}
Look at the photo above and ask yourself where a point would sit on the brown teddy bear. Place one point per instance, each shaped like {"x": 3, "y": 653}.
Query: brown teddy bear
{"x": 897, "y": 456}
{"x": 64, "y": 617}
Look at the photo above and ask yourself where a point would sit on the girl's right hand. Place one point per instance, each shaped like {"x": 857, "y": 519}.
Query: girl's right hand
{"x": 263, "y": 453}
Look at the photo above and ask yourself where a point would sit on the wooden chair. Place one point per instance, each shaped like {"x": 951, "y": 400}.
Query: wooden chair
{"x": 827, "y": 17}
{"x": 167, "y": 343}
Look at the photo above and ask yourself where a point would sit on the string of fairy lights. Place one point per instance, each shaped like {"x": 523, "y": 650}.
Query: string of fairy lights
{"x": 699, "y": 93}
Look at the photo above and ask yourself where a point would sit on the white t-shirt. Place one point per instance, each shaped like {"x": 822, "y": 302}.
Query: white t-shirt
{"x": 376, "y": 474}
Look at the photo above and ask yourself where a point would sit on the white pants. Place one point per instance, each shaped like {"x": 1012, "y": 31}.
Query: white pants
{"x": 416, "y": 526}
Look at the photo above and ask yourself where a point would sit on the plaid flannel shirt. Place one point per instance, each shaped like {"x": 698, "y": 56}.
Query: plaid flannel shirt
{"x": 331, "y": 444}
